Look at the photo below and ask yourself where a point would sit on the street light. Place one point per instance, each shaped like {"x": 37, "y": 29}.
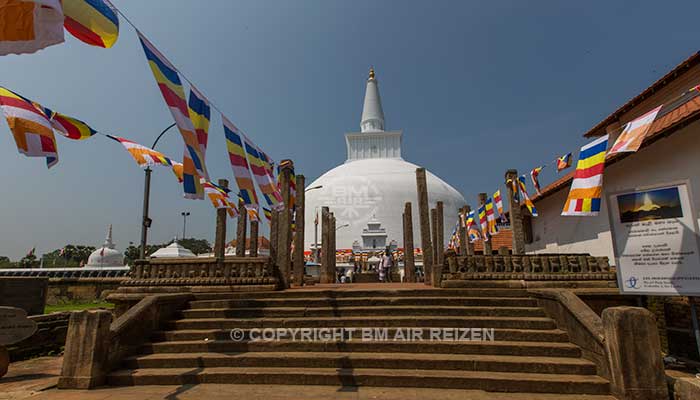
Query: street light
{"x": 184, "y": 214}
{"x": 146, "y": 222}
{"x": 341, "y": 226}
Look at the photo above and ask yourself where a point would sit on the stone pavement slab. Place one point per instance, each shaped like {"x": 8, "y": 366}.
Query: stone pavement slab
{"x": 25, "y": 378}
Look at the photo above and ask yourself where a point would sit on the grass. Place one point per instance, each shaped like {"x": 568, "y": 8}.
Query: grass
{"x": 77, "y": 306}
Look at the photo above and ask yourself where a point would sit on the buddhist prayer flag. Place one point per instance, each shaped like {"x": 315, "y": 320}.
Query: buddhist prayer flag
{"x": 239, "y": 164}
{"x": 563, "y": 162}
{"x": 499, "y": 205}
{"x": 269, "y": 165}
{"x": 200, "y": 115}
{"x": 534, "y": 175}
{"x": 491, "y": 218}
{"x": 272, "y": 196}
{"x": 94, "y": 22}
{"x": 587, "y": 187}
{"x": 695, "y": 88}
{"x": 178, "y": 171}
{"x": 634, "y": 133}
{"x": 30, "y": 127}
{"x": 483, "y": 223}
{"x": 526, "y": 198}
{"x": 471, "y": 227}
{"x": 28, "y": 26}
{"x": 174, "y": 95}
{"x": 144, "y": 156}
{"x": 70, "y": 127}
{"x": 219, "y": 197}
{"x": 514, "y": 188}
{"x": 268, "y": 214}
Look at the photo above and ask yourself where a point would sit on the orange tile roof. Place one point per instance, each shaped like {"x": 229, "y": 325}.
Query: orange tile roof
{"x": 655, "y": 87}
{"x": 665, "y": 125}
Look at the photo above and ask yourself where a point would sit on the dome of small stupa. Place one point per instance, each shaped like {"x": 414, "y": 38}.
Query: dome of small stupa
{"x": 107, "y": 255}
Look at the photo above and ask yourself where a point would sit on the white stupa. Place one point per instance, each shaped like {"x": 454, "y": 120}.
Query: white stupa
{"x": 173, "y": 250}
{"x": 107, "y": 255}
{"x": 368, "y": 192}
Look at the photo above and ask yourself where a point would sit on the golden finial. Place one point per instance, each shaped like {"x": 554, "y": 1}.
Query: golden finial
{"x": 371, "y": 73}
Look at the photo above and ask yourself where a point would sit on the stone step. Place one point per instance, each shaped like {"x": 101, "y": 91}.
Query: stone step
{"x": 523, "y": 335}
{"x": 343, "y": 294}
{"x": 384, "y": 321}
{"x": 512, "y": 348}
{"x": 488, "y": 381}
{"x": 461, "y": 362}
{"x": 282, "y": 312}
{"x": 366, "y": 302}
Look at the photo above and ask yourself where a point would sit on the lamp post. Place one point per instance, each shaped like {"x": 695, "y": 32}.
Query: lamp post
{"x": 184, "y": 214}
{"x": 341, "y": 226}
{"x": 146, "y": 222}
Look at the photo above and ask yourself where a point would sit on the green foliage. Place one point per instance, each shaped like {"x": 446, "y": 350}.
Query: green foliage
{"x": 197, "y": 246}
{"x": 73, "y": 256}
{"x": 28, "y": 261}
{"x": 5, "y": 262}
{"x": 77, "y": 306}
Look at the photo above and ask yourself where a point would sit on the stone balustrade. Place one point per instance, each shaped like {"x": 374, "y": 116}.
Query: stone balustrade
{"x": 203, "y": 271}
{"x": 527, "y": 267}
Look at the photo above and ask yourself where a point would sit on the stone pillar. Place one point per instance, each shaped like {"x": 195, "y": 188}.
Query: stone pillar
{"x": 440, "y": 246}
{"x": 516, "y": 218}
{"x": 462, "y": 232}
{"x": 656, "y": 304}
{"x": 434, "y": 236}
{"x": 470, "y": 245}
{"x": 86, "y": 355}
{"x": 4, "y": 361}
{"x": 333, "y": 248}
{"x": 299, "y": 233}
{"x": 241, "y": 230}
{"x": 409, "y": 262}
{"x": 488, "y": 249}
{"x": 254, "y": 238}
{"x": 274, "y": 229}
{"x": 284, "y": 227}
{"x": 424, "y": 215}
{"x": 325, "y": 246}
{"x": 634, "y": 354}
{"x": 220, "y": 238}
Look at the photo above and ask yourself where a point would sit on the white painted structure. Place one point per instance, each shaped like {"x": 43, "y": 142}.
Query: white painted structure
{"x": 374, "y": 183}
{"x": 672, "y": 159}
{"x": 107, "y": 255}
{"x": 173, "y": 250}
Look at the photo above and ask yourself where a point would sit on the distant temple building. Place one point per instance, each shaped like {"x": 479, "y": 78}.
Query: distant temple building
{"x": 367, "y": 193}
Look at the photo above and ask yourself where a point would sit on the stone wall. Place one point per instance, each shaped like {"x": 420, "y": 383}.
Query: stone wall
{"x": 27, "y": 293}
{"x": 49, "y": 338}
{"x": 62, "y": 290}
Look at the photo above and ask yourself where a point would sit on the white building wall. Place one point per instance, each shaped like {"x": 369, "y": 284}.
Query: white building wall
{"x": 672, "y": 159}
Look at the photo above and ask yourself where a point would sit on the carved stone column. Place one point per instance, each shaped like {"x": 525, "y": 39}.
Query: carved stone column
{"x": 462, "y": 232}
{"x": 440, "y": 246}
{"x": 516, "y": 218}
{"x": 241, "y": 230}
{"x": 333, "y": 247}
{"x": 488, "y": 250}
{"x": 434, "y": 235}
{"x": 274, "y": 230}
{"x": 325, "y": 246}
{"x": 470, "y": 245}
{"x": 409, "y": 262}
{"x": 284, "y": 231}
{"x": 220, "y": 238}
{"x": 253, "y": 238}
{"x": 299, "y": 215}
{"x": 424, "y": 215}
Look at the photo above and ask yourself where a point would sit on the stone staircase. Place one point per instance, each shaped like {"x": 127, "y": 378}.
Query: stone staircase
{"x": 529, "y": 354}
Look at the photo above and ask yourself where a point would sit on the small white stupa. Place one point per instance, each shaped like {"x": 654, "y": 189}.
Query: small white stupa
{"x": 173, "y": 250}
{"x": 107, "y": 255}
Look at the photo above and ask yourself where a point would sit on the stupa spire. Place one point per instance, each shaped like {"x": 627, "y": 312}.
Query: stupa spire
{"x": 108, "y": 241}
{"x": 372, "y": 113}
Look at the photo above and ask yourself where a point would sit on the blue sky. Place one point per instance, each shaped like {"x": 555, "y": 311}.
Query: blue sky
{"x": 477, "y": 87}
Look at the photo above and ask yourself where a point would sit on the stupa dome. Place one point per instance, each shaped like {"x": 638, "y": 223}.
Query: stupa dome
{"x": 107, "y": 255}
{"x": 368, "y": 192}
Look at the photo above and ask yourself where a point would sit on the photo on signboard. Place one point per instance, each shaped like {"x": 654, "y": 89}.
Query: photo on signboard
{"x": 650, "y": 205}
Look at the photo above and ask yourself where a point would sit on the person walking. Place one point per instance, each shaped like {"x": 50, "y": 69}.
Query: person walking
{"x": 385, "y": 267}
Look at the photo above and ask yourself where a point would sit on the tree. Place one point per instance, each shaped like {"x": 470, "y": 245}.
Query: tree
{"x": 28, "y": 261}
{"x": 5, "y": 262}
{"x": 197, "y": 246}
{"x": 69, "y": 256}
{"x": 133, "y": 253}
